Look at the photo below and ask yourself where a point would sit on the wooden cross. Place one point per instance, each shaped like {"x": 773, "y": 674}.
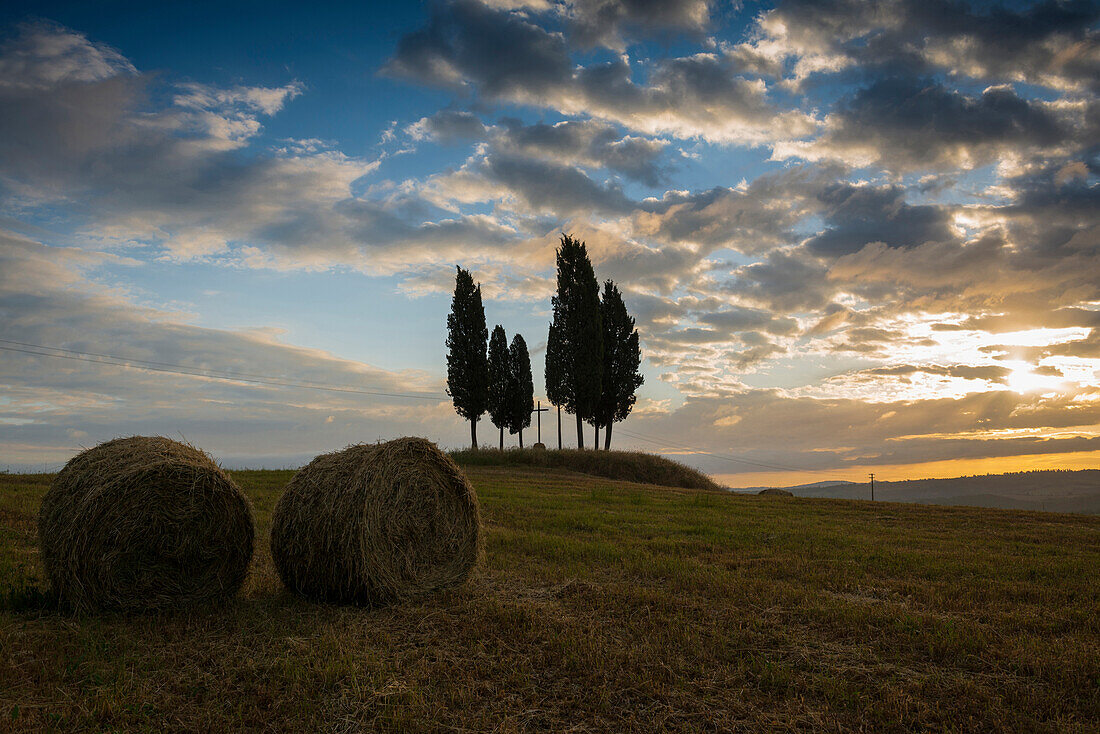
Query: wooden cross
{"x": 538, "y": 414}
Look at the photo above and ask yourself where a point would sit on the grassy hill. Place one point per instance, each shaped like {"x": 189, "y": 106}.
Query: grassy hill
{"x": 606, "y": 606}
{"x": 631, "y": 466}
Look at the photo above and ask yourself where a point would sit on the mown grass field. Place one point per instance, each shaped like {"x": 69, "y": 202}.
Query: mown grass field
{"x": 605, "y": 606}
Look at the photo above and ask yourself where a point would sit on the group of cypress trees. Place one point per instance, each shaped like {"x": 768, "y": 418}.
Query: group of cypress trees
{"x": 494, "y": 377}
{"x": 592, "y": 352}
{"x": 592, "y": 355}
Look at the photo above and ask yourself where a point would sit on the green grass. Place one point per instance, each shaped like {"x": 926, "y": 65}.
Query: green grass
{"x": 629, "y": 466}
{"x": 606, "y": 606}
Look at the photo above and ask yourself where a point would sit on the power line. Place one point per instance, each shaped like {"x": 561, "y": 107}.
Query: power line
{"x": 208, "y": 374}
{"x": 232, "y": 373}
{"x": 252, "y": 378}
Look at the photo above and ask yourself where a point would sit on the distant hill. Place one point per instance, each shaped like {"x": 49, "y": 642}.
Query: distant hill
{"x": 1050, "y": 491}
{"x": 813, "y": 485}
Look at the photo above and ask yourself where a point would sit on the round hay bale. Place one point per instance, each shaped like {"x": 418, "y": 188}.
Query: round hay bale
{"x": 144, "y": 523}
{"x": 538, "y": 447}
{"x": 776, "y": 492}
{"x": 375, "y": 524}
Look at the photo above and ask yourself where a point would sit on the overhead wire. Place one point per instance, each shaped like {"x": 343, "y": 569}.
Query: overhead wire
{"x": 41, "y": 350}
{"x": 165, "y": 367}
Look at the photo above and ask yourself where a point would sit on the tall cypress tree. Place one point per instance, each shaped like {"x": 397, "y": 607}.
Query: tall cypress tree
{"x": 500, "y": 376}
{"x": 521, "y": 387}
{"x": 555, "y": 386}
{"x": 574, "y": 350}
{"x": 621, "y": 359}
{"x": 467, "y": 369}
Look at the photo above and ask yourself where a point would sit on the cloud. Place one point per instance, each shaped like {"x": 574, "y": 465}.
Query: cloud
{"x": 49, "y": 296}
{"x": 606, "y": 22}
{"x": 745, "y": 319}
{"x": 992, "y": 373}
{"x": 785, "y": 280}
{"x": 588, "y": 143}
{"x": 904, "y": 124}
{"x": 895, "y": 315}
{"x": 859, "y": 215}
{"x": 528, "y": 184}
{"x": 815, "y": 433}
{"x": 505, "y": 56}
{"x": 613, "y": 23}
{"x": 448, "y": 127}
{"x": 1048, "y": 43}
{"x": 44, "y": 56}
{"x": 172, "y": 174}
{"x": 752, "y": 218}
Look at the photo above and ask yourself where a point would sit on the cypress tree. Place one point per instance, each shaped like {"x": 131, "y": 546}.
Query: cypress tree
{"x": 555, "y": 386}
{"x": 621, "y": 359}
{"x": 521, "y": 387}
{"x": 467, "y": 368}
{"x": 574, "y": 351}
{"x": 500, "y": 376}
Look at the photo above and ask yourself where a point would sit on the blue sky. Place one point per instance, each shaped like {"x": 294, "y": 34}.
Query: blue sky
{"x": 853, "y": 236}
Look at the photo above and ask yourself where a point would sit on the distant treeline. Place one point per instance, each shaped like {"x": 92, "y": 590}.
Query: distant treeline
{"x": 592, "y": 355}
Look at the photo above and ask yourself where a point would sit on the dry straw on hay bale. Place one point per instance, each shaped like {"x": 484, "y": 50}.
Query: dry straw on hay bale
{"x": 376, "y": 523}
{"x": 144, "y": 523}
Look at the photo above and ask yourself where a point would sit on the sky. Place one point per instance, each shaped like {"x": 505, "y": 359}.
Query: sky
{"x": 855, "y": 237}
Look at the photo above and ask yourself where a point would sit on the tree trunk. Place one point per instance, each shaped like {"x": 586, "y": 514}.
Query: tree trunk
{"x": 607, "y": 437}
{"x": 559, "y": 428}
{"x": 521, "y": 438}
{"x": 595, "y": 436}
{"x": 502, "y": 438}
{"x": 473, "y": 433}
{"x": 580, "y": 432}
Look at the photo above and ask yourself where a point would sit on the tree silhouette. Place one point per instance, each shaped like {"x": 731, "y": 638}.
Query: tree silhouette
{"x": 467, "y": 369}
{"x": 500, "y": 376}
{"x": 621, "y": 360}
{"x": 552, "y": 376}
{"x": 574, "y": 350}
{"x": 521, "y": 387}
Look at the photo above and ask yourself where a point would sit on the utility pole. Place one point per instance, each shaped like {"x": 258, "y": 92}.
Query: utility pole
{"x": 872, "y": 486}
{"x": 538, "y": 417}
